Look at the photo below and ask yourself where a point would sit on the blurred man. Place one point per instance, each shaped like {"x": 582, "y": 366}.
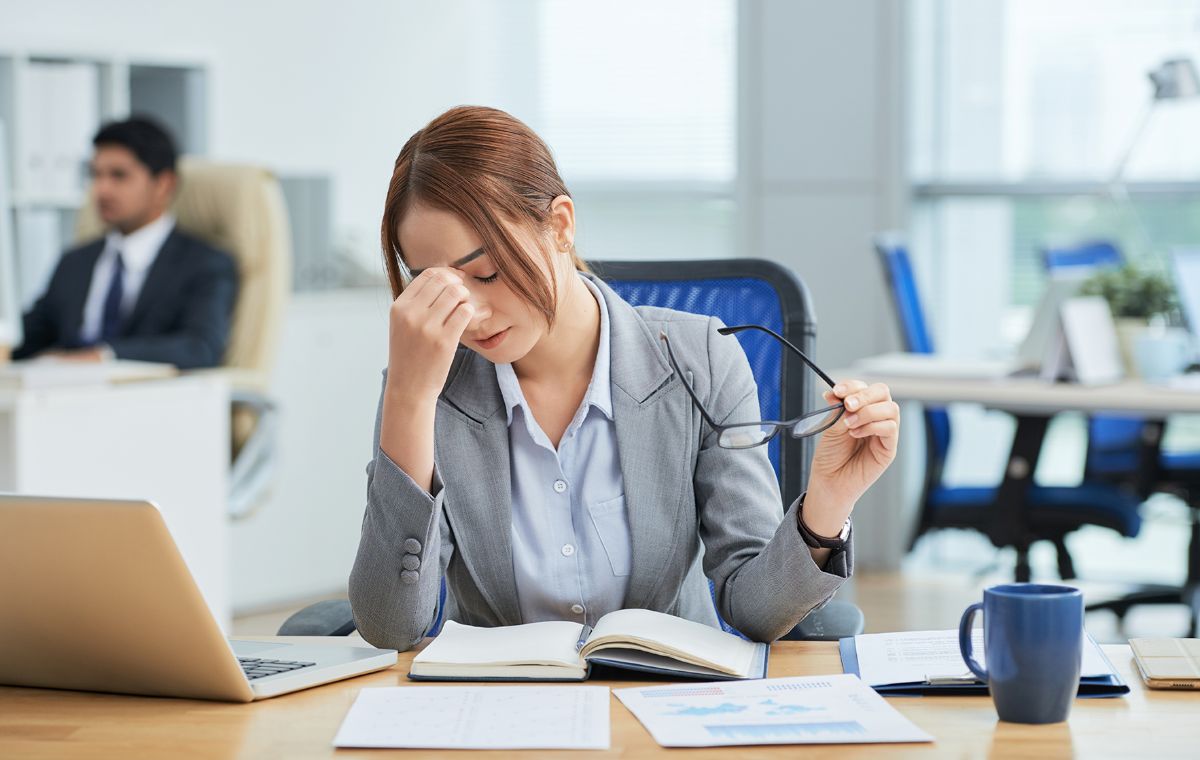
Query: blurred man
{"x": 146, "y": 290}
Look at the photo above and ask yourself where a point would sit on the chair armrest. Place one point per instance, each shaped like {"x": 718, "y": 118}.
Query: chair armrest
{"x": 251, "y": 472}
{"x": 331, "y": 617}
{"x": 836, "y": 620}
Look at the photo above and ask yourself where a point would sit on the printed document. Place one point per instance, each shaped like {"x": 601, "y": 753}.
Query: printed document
{"x": 478, "y": 717}
{"x": 835, "y": 709}
{"x": 922, "y": 656}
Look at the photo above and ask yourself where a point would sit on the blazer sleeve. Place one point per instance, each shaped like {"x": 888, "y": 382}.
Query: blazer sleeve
{"x": 40, "y": 326}
{"x": 403, "y": 552}
{"x": 203, "y": 327}
{"x": 763, "y": 572}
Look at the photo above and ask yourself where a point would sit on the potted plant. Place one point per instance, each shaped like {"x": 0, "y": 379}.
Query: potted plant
{"x": 1136, "y": 297}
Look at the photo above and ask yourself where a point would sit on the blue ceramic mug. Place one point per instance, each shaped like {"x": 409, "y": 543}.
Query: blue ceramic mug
{"x": 1033, "y": 641}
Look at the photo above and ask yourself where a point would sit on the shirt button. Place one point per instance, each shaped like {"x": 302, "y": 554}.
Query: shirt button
{"x": 560, "y": 486}
{"x": 568, "y": 550}
{"x": 577, "y": 609}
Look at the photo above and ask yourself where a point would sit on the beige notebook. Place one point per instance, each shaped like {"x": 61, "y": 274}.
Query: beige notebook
{"x": 632, "y": 639}
{"x": 1168, "y": 663}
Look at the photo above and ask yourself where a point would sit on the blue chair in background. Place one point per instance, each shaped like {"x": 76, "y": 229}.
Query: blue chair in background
{"x": 1017, "y": 512}
{"x": 1082, "y": 259}
{"x": 738, "y": 291}
{"x": 1127, "y": 451}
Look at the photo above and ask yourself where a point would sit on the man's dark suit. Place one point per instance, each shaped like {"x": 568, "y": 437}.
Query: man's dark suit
{"x": 181, "y": 316}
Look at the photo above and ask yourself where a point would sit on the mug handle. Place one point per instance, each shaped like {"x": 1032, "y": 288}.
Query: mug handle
{"x": 964, "y": 641}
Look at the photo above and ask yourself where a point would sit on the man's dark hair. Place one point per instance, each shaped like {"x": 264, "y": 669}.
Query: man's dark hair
{"x": 145, "y": 138}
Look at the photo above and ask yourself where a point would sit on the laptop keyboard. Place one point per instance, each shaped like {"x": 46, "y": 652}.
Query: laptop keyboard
{"x": 256, "y": 668}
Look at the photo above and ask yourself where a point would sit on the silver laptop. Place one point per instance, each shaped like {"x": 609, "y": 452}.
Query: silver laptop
{"x": 95, "y": 596}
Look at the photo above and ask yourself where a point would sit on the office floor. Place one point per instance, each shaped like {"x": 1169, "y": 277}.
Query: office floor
{"x": 917, "y": 598}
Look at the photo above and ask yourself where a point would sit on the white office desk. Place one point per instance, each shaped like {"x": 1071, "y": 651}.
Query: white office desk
{"x": 1033, "y": 403}
{"x": 162, "y": 440}
{"x": 1031, "y": 396}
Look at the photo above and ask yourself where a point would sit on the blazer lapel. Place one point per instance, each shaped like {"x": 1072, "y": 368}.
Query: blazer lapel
{"x": 157, "y": 279}
{"x": 473, "y": 451}
{"x": 654, "y": 434}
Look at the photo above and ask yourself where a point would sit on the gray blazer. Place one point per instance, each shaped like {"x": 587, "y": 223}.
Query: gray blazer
{"x": 696, "y": 511}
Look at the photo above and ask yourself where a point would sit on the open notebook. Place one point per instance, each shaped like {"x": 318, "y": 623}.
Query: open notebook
{"x": 562, "y": 651}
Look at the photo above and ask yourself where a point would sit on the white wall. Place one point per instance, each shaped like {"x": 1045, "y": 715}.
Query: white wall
{"x": 821, "y": 161}
{"x": 327, "y": 380}
{"x": 312, "y": 87}
{"x": 305, "y": 87}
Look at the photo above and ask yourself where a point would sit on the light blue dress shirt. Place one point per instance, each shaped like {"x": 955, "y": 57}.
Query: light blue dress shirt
{"x": 570, "y": 530}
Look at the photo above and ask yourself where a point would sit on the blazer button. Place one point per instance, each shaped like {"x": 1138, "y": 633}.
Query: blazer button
{"x": 410, "y": 562}
{"x": 412, "y": 546}
{"x": 409, "y": 577}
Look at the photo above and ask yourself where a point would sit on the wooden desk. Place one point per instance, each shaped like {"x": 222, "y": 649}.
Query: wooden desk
{"x": 38, "y": 723}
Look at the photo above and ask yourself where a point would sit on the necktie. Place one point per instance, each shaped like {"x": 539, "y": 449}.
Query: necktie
{"x": 110, "y": 324}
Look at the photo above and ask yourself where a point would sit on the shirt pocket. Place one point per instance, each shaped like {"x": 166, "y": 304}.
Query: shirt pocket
{"x": 612, "y": 525}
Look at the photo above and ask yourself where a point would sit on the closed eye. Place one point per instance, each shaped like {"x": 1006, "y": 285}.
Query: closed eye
{"x": 489, "y": 279}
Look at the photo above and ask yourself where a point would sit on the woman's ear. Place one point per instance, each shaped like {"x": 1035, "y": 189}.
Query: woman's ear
{"x": 562, "y": 222}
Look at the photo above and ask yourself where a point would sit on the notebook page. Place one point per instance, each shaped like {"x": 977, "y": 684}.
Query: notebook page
{"x": 667, "y": 634}
{"x": 550, "y": 643}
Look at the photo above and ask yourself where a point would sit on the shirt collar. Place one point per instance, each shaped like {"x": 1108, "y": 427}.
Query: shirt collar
{"x": 139, "y": 247}
{"x": 599, "y": 390}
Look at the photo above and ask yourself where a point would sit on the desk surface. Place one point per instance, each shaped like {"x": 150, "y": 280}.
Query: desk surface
{"x": 36, "y": 723}
{"x": 1036, "y": 396}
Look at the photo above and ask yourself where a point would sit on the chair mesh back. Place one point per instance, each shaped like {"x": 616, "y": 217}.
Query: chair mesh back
{"x": 735, "y": 302}
{"x": 1098, "y": 254}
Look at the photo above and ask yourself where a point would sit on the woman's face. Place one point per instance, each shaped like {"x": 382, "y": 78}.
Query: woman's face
{"x": 505, "y": 327}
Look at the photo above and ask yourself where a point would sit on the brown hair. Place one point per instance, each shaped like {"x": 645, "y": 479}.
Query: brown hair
{"x": 483, "y": 165}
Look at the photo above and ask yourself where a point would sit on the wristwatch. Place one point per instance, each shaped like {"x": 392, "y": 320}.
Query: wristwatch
{"x": 821, "y": 542}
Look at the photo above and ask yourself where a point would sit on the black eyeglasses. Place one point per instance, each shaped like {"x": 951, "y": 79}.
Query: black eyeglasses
{"x": 747, "y": 435}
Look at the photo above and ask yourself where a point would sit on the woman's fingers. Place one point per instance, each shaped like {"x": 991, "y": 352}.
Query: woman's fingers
{"x": 883, "y": 410}
{"x": 447, "y": 301}
{"x": 856, "y": 394}
{"x": 881, "y": 429}
{"x": 459, "y": 318}
{"x": 429, "y": 285}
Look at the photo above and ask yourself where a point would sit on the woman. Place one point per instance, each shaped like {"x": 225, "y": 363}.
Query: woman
{"x": 534, "y": 445}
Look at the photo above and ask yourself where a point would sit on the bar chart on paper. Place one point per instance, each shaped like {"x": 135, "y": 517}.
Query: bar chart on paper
{"x": 837, "y": 709}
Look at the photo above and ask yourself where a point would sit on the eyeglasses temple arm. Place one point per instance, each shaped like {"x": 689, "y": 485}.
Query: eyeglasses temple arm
{"x": 739, "y": 328}
{"x": 686, "y": 385}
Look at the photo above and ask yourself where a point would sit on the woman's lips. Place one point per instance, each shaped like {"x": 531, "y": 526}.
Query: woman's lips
{"x": 495, "y": 340}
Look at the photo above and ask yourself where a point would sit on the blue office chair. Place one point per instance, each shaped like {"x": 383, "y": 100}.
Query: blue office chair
{"x": 1082, "y": 259}
{"x": 751, "y": 291}
{"x": 1043, "y": 513}
{"x": 1126, "y": 451}
{"x": 738, "y": 291}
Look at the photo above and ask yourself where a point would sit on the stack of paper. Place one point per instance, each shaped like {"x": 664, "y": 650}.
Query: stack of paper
{"x": 929, "y": 662}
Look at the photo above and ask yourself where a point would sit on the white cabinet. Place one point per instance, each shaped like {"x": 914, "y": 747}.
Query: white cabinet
{"x": 110, "y": 441}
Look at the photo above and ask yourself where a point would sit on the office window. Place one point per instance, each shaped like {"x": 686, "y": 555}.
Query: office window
{"x": 638, "y": 102}
{"x": 1021, "y": 113}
